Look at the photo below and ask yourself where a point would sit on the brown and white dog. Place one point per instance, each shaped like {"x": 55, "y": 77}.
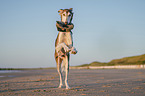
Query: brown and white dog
{"x": 64, "y": 44}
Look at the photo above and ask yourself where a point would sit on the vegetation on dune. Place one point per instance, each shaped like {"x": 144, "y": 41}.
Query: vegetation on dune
{"x": 96, "y": 63}
{"x": 133, "y": 60}
{"x": 130, "y": 60}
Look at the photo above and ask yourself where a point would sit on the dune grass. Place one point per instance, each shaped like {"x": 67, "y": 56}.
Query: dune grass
{"x": 133, "y": 60}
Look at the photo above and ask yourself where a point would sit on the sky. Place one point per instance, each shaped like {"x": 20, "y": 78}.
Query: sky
{"x": 103, "y": 30}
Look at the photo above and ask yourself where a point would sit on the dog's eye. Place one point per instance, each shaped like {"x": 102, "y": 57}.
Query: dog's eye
{"x": 63, "y": 14}
{"x": 69, "y": 15}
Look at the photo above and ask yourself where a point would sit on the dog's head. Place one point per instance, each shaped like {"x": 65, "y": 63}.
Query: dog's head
{"x": 66, "y": 15}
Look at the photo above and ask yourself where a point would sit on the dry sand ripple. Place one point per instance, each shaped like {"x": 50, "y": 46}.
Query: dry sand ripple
{"x": 97, "y": 82}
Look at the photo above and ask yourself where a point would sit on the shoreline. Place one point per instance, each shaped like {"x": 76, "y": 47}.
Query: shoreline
{"x": 142, "y": 66}
{"x": 26, "y": 68}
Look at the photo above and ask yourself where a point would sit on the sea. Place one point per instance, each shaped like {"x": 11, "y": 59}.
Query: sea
{"x": 8, "y": 71}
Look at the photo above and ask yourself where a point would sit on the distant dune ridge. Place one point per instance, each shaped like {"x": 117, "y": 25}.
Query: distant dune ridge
{"x": 130, "y": 60}
{"x": 126, "y": 62}
{"x": 133, "y": 60}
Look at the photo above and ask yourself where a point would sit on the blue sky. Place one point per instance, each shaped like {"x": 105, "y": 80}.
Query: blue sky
{"x": 104, "y": 30}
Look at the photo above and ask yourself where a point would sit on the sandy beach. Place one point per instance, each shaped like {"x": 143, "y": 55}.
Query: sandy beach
{"x": 83, "y": 82}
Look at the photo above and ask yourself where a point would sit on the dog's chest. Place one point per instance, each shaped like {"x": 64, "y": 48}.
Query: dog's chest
{"x": 65, "y": 37}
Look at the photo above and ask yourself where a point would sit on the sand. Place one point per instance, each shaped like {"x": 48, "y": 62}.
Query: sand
{"x": 96, "y": 82}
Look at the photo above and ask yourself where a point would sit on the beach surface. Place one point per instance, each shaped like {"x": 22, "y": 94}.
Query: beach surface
{"x": 83, "y": 82}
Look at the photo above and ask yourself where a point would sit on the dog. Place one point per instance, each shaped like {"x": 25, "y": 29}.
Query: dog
{"x": 64, "y": 44}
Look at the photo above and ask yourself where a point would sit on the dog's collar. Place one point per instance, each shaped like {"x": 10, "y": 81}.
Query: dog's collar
{"x": 62, "y": 23}
{"x": 61, "y": 27}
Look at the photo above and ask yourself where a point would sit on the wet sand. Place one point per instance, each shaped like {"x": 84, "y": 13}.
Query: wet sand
{"x": 96, "y": 82}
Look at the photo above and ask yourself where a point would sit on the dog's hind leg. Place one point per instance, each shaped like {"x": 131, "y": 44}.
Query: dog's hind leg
{"x": 66, "y": 71}
{"x": 59, "y": 61}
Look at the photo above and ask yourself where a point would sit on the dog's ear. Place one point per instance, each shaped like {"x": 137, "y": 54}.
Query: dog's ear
{"x": 71, "y": 9}
{"x": 60, "y": 11}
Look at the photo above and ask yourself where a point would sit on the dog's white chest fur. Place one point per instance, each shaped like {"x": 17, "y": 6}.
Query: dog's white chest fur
{"x": 65, "y": 37}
